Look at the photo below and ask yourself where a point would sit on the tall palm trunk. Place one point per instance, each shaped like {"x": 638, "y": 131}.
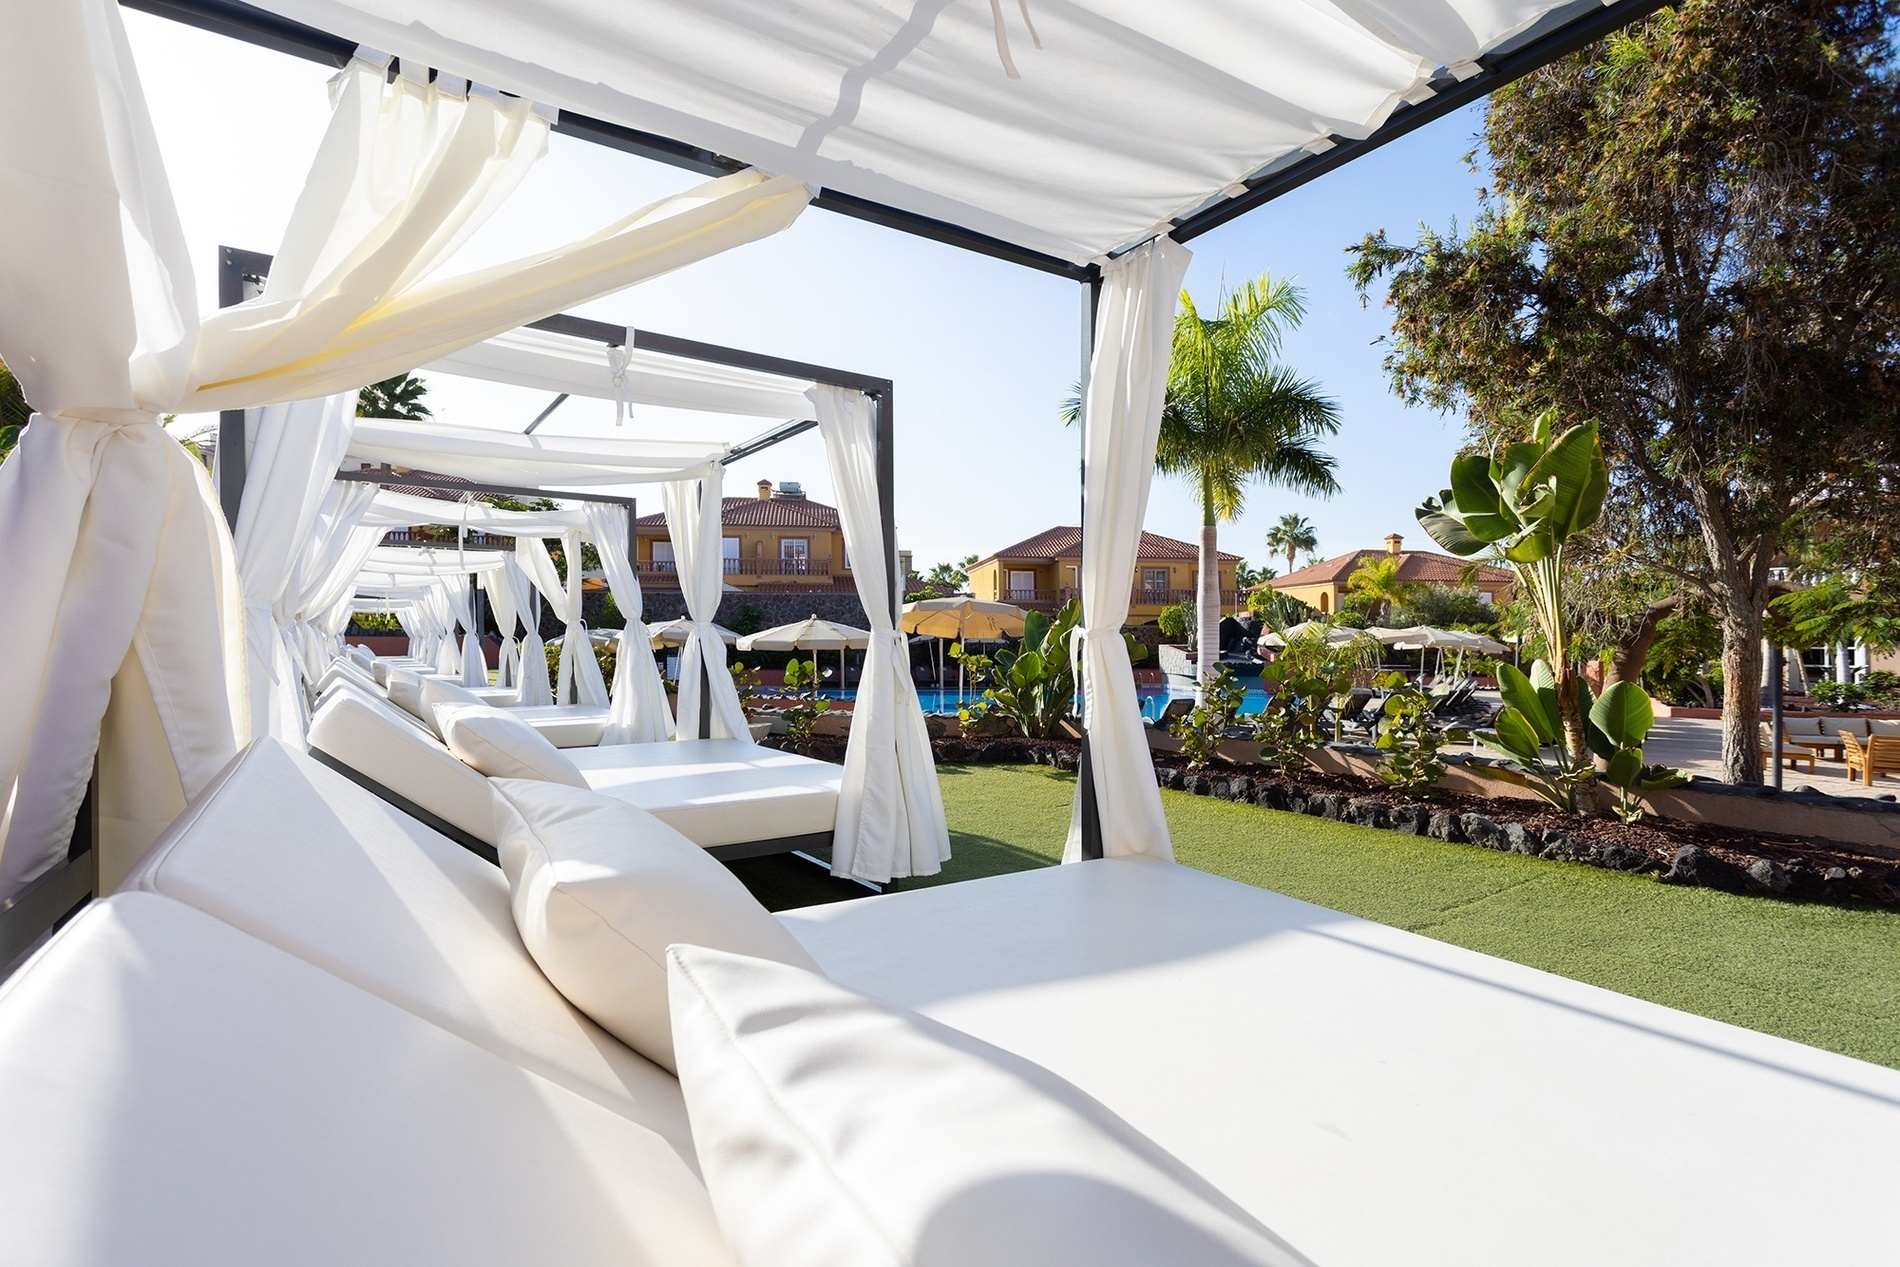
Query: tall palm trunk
{"x": 1207, "y": 587}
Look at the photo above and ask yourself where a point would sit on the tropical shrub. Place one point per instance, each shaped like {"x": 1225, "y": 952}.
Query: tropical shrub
{"x": 1408, "y": 737}
{"x": 1619, "y": 720}
{"x": 745, "y": 680}
{"x": 1210, "y": 722}
{"x": 1172, "y": 621}
{"x": 1033, "y": 682}
{"x": 1522, "y": 508}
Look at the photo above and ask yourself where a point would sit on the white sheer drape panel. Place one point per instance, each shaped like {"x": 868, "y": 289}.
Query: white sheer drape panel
{"x": 501, "y": 602}
{"x": 405, "y": 173}
{"x": 638, "y": 713}
{"x": 890, "y": 810}
{"x": 578, "y": 680}
{"x": 533, "y": 679}
{"x": 326, "y": 572}
{"x": 294, "y": 451}
{"x": 1134, "y": 330}
{"x": 693, "y": 524}
{"x": 442, "y": 608}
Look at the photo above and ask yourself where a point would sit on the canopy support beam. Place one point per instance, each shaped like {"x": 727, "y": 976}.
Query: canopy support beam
{"x": 1091, "y": 808}
{"x": 240, "y": 277}
{"x": 545, "y": 414}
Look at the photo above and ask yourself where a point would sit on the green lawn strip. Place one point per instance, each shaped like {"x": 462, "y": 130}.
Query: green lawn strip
{"x": 1817, "y": 974}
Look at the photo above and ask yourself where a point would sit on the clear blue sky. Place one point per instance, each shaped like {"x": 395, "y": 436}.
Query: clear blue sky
{"x": 981, "y": 352}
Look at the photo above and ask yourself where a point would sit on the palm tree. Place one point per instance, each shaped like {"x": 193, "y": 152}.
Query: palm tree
{"x": 1378, "y": 579}
{"x": 1293, "y": 534}
{"x": 1234, "y": 415}
{"x": 398, "y": 397}
{"x": 13, "y": 411}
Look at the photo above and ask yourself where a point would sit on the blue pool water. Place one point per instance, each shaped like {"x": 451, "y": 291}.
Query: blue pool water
{"x": 1153, "y": 699}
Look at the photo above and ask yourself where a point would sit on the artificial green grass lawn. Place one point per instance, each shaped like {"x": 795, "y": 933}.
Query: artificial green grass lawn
{"x": 1817, "y": 974}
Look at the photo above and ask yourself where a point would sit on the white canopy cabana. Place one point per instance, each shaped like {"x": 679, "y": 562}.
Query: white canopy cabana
{"x": 104, "y": 332}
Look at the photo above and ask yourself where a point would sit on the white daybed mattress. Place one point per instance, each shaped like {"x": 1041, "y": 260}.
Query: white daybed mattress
{"x": 721, "y": 794}
{"x": 718, "y": 791}
{"x": 1380, "y": 1098}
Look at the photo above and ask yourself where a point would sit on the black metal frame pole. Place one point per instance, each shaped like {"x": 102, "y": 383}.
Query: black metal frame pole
{"x": 1776, "y": 671}
{"x": 1091, "y": 813}
{"x": 238, "y": 272}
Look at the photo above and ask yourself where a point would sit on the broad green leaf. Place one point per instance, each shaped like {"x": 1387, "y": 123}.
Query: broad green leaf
{"x": 1532, "y": 547}
{"x": 1625, "y": 768}
{"x": 1472, "y": 487}
{"x": 1662, "y": 776}
{"x": 1520, "y": 695}
{"x": 1515, "y": 737}
{"x": 1624, "y": 714}
{"x": 1574, "y": 470}
{"x": 1450, "y": 533}
{"x": 1515, "y": 467}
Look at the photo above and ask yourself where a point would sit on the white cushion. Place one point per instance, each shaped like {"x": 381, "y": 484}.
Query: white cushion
{"x": 504, "y": 747}
{"x": 405, "y": 692}
{"x": 437, "y": 691}
{"x": 601, "y": 889}
{"x": 1346, "y": 1082}
{"x": 718, "y": 791}
{"x": 832, "y": 1128}
{"x": 177, "y": 1092}
{"x": 566, "y": 725}
{"x": 361, "y": 654}
{"x": 381, "y": 668}
{"x": 343, "y": 669}
{"x": 1884, "y": 727}
{"x": 1803, "y": 726}
{"x": 296, "y": 855}
{"x": 384, "y": 745}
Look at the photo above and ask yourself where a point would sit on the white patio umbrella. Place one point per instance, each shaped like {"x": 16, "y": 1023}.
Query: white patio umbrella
{"x": 672, "y": 633}
{"x": 963, "y": 619}
{"x": 1335, "y": 634}
{"x": 810, "y": 634}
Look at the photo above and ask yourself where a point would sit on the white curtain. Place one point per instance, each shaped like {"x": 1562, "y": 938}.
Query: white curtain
{"x": 326, "y": 572}
{"x": 501, "y": 601}
{"x": 127, "y": 629}
{"x": 578, "y": 679}
{"x": 1128, "y": 379}
{"x": 530, "y": 555}
{"x": 890, "y": 809}
{"x": 638, "y": 713}
{"x": 693, "y": 523}
{"x": 443, "y": 602}
{"x": 294, "y": 451}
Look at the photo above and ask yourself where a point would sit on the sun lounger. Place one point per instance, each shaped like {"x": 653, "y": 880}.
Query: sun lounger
{"x": 734, "y": 798}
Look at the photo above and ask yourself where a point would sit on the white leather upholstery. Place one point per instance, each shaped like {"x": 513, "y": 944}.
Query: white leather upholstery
{"x": 405, "y": 692}
{"x": 713, "y": 791}
{"x": 298, "y": 856}
{"x": 176, "y": 1092}
{"x": 342, "y": 669}
{"x": 601, "y": 889}
{"x": 502, "y": 746}
{"x": 499, "y": 696}
{"x": 382, "y": 744}
{"x": 717, "y": 791}
{"x": 833, "y": 1128}
{"x": 566, "y": 725}
{"x": 1377, "y": 1097}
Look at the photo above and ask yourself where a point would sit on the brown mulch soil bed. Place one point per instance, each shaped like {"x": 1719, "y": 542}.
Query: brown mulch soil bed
{"x": 1731, "y": 859}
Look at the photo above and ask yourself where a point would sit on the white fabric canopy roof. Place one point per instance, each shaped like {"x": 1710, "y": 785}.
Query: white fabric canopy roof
{"x": 391, "y": 509}
{"x": 537, "y": 461}
{"x": 428, "y": 561}
{"x": 1126, "y": 112}
{"x": 583, "y": 367}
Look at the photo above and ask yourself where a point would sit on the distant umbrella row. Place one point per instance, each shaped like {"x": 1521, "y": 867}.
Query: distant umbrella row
{"x": 1411, "y": 638}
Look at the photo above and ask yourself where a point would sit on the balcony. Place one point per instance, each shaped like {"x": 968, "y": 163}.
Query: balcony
{"x": 1141, "y": 596}
{"x": 663, "y": 571}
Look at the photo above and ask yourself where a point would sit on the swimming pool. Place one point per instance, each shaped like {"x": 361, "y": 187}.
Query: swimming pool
{"x": 1153, "y": 699}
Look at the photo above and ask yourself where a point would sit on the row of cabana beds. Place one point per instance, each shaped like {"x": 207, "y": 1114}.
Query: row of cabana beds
{"x": 381, "y": 963}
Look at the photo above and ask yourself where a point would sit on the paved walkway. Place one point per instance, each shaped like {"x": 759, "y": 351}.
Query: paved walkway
{"x": 1695, "y": 744}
